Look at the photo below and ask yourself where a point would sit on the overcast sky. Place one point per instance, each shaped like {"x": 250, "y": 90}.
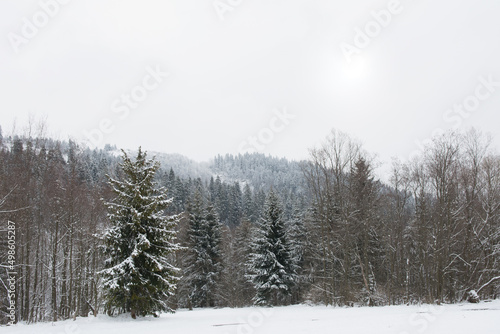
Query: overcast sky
{"x": 272, "y": 76}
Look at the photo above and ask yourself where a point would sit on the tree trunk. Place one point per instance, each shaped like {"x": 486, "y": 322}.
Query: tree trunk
{"x": 54, "y": 279}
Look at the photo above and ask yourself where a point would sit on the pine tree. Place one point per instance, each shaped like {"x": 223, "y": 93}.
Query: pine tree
{"x": 138, "y": 276}
{"x": 193, "y": 278}
{"x": 248, "y": 205}
{"x": 242, "y": 252}
{"x": 211, "y": 189}
{"x": 213, "y": 231}
{"x": 181, "y": 194}
{"x": 298, "y": 243}
{"x": 235, "y": 205}
{"x": 203, "y": 262}
{"x": 273, "y": 271}
{"x": 365, "y": 199}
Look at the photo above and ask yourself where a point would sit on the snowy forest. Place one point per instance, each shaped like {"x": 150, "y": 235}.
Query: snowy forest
{"x": 246, "y": 229}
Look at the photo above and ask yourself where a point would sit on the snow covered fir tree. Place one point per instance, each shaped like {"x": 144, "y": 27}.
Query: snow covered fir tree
{"x": 203, "y": 262}
{"x": 272, "y": 268}
{"x": 297, "y": 237}
{"x": 138, "y": 274}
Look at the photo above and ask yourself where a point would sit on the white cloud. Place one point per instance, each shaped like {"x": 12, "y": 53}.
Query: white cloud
{"x": 227, "y": 76}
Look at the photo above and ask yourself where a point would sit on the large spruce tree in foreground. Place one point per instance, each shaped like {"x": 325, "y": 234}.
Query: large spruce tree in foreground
{"x": 273, "y": 271}
{"x": 138, "y": 276}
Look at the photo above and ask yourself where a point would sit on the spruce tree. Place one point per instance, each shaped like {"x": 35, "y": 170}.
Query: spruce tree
{"x": 193, "y": 278}
{"x": 203, "y": 261}
{"x": 213, "y": 231}
{"x": 248, "y": 205}
{"x": 138, "y": 276}
{"x": 235, "y": 205}
{"x": 297, "y": 235}
{"x": 242, "y": 253}
{"x": 365, "y": 198}
{"x": 272, "y": 268}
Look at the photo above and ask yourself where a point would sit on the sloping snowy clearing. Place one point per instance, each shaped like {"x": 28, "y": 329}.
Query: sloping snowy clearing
{"x": 454, "y": 319}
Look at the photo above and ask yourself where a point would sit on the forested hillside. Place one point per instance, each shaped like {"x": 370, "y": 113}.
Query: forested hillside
{"x": 431, "y": 235}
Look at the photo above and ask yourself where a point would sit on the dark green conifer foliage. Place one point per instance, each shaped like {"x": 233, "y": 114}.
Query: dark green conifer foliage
{"x": 138, "y": 276}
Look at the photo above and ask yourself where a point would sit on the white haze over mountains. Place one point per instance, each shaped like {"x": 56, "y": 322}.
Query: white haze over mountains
{"x": 206, "y": 77}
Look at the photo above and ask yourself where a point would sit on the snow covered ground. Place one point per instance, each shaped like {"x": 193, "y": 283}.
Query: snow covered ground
{"x": 454, "y": 319}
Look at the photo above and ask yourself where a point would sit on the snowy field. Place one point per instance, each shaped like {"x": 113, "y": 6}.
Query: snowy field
{"x": 454, "y": 319}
